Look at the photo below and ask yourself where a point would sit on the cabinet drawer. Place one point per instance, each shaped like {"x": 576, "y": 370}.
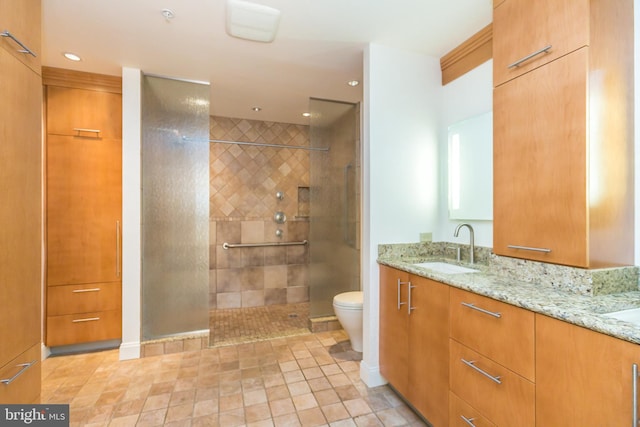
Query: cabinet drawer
{"x": 70, "y": 109}
{"x": 25, "y": 372}
{"x": 459, "y": 411}
{"x": 74, "y": 299}
{"x": 523, "y": 28}
{"x": 511, "y": 402}
{"x": 507, "y": 339}
{"x": 85, "y": 327}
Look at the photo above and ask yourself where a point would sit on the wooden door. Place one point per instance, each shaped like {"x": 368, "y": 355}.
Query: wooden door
{"x": 394, "y": 327}
{"x": 21, "y": 208}
{"x": 540, "y": 163}
{"x": 84, "y": 204}
{"x": 582, "y": 377}
{"x": 523, "y": 27}
{"x": 429, "y": 350}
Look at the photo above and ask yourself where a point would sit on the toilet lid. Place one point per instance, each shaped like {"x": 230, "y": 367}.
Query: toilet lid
{"x": 349, "y": 299}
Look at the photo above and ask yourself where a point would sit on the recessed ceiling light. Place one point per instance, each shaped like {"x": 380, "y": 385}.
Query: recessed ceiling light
{"x": 353, "y": 83}
{"x": 168, "y": 14}
{"x": 306, "y": 114}
{"x": 257, "y": 109}
{"x": 72, "y": 56}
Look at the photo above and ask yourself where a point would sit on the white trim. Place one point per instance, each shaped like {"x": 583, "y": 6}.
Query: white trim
{"x": 370, "y": 375}
{"x": 130, "y": 350}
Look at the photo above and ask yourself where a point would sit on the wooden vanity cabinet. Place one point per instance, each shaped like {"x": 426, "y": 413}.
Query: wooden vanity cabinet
{"x": 84, "y": 207}
{"x": 582, "y": 377}
{"x": 414, "y": 328}
{"x": 21, "y": 207}
{"x": 563, "y": 133}
{"x": 492, "y": 363}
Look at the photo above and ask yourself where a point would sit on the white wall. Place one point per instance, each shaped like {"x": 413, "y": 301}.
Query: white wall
{"x": 400, "y": 167}
{"x": 465, "y": 97}
{"x": 637, "y": 129}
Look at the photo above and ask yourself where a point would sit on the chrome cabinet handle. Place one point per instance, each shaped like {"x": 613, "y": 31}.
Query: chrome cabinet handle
{"x": 401, "y": 283}
{"x": 23, "y": 48}
{"x": 79, "y": 130}
{"x": 528, "y": 57}
{"x": 86, "y": 319}
{"x": 469, "y": 421}
{"x": 118, "y": 272}
{"x": 481, "y": 310}
{"x": 529, "y": 248}
{"x": 409, "y": 307}
{"x": 23, "y": 367}
{"x": 634, "y": 394}
{"x": 471, "y": 364}
{"x": 78, "y": 291}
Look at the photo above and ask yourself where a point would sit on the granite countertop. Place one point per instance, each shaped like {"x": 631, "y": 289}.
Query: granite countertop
{"x": 582, "y": 310}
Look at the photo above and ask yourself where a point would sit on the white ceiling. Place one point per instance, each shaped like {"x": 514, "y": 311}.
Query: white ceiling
{"x": 318, "y": 47}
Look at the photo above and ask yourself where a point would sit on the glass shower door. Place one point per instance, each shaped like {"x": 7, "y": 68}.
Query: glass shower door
{"x": 175, "y": 207}
{"x": 334, "y": 203}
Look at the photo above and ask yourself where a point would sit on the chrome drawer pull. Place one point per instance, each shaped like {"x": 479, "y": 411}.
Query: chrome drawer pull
{"x": 78, "y": 291}
{"x": 481, "y": 310}
{"x": 79, "y": 130}
{"x": 23, "y": 367}
{"x": 23, "y": 48}
{"x": 469, "y": 421}
{"x": 528, "y": 57}
{"x": 401, "y": 283}
{"x": 634, "y": 394}
{"x": 528, "y": 248}
{"x": 88, "y": 319}
{"x": 471, "y": 364}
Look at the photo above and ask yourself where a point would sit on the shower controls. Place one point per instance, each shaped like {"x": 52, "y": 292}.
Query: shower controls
{"x": 280, "y": 217}
{"x": 279, "y": 195}
{"x": 279, "y": 233}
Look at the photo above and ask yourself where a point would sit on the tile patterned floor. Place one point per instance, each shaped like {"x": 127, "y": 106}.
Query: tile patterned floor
{"x": 250, "y": 324}
{"x": 308, "y": 380}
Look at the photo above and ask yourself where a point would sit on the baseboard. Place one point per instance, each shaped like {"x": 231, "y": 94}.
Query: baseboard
{"x": 130, "y": 350}
{"x": 44, "y": 351}
{"x": 370, "y": 375}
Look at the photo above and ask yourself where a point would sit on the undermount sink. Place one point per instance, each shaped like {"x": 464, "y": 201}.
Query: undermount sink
{"x": 631, "y": 315}
{"x": 444, "y": 267}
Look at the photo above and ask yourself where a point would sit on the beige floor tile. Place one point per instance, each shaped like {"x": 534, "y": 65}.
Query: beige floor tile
{"x": 311, "y": 417}
{"x": 257, "y": 412}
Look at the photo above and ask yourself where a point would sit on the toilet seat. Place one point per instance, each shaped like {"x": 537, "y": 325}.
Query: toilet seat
{"x": 349, "y": 300}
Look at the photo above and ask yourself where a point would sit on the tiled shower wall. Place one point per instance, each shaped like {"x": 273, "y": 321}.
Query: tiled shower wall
{"x": 243, "y": 184}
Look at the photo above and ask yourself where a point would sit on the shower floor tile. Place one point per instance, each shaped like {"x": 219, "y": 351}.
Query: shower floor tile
{"x": 251, "y": 324}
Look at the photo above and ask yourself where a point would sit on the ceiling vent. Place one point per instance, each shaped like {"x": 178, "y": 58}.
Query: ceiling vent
{"x": 251, "y": 21}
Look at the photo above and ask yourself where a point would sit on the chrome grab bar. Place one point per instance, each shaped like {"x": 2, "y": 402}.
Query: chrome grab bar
{"x": 471, "y": 364}
{"x": 529, "y": 248}
{"x": 226, "y": 245}
{"x": 24, "y": 49}
{"x": 23, "y": 367}
{"x": 78, "y": 291}
{"x": 531, "y": 55}
{"x": 481, "y": 310}
{"x": 469, "y": 421}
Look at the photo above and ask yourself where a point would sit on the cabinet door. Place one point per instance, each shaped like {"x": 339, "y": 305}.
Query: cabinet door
{"x": 582, "y": 377}
{"x": 84, "y": 113}
{"x": 540, "y": 161}
{"x": 21, "y": 207}
{"x": 22, "y": 18}
{"x": 524, "y": 27}
{"x": 429, "y": 350}
{"x": 84, "y": 205}
{"x": 394, "y": 329}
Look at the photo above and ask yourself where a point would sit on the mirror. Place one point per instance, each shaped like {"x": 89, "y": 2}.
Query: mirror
{"x": 470, "y": 168}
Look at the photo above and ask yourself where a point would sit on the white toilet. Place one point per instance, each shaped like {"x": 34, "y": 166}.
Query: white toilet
{"x": 348, "y": 309}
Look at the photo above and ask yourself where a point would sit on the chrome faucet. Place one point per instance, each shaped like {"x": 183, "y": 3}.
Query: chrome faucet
{"x": 471, "y": 245}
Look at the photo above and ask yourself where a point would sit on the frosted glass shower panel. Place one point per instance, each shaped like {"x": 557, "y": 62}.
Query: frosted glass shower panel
{"x": 175, "y": 207}
{"x": 334, "y": 204}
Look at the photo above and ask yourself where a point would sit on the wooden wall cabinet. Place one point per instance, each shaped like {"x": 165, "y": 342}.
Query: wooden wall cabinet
{"x": 21, "y": 207}
{"x": 414, "y": 325}
{"x": 84, "y": 208}
{"x": 583, "y": 377}
{"x": 563, "y": 132}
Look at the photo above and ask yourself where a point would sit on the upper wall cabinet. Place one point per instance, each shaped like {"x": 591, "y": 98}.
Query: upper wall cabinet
{"x": 528, "y": 34}
{"x": 563, "y": 137}
{"x": 67, "y": 113}
{"x": 20, "y": 26}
